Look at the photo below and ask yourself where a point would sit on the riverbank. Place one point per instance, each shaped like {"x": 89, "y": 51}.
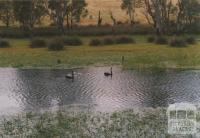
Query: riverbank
{"x": 147, "y": 123}
{"x": 138, "y": 55}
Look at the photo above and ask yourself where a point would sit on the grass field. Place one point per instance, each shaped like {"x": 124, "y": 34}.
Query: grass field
{"x": 145, "y": 123}
{"x": 77, "y": 124}
{"x": 139, "y": 55}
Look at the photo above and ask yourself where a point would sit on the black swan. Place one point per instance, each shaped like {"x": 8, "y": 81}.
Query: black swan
{"x": 70, "y": 76}
{"x": 108, "y": 73}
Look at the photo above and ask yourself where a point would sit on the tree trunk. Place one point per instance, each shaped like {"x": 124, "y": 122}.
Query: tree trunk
{"x": 68, "y": 21}
{"x": 7, "y": 19}
{"x": 71, "y": 23}
{"x": 7, "y": 23}
{"x": 158, "y": 17}
{"x": 62, "y": 26}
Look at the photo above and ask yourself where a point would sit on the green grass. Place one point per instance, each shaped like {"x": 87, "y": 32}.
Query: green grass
{"x": 70, "y": 123}
{"x": 139, "y": 55}
{"x": 81, "y": 124}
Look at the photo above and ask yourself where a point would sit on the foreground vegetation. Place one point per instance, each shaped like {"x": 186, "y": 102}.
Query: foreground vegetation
{"x": 75, "y": 122}
{"x": 88, "y": 124}
{"x": 140, "y": 54}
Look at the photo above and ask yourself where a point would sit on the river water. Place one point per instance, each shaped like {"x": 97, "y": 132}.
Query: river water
{"x": 38, "y": 89}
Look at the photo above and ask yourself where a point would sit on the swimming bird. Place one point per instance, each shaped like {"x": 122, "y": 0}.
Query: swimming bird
{"x": 70, "y": 76}
{"x": 108, "y": 73}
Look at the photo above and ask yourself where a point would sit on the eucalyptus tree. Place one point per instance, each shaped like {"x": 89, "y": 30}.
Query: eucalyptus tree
{"x": 70, "y": 11}
{"x": 130, "y": 7}
{"x": 78, "y": 10}
{"x": 187, "y": 13}
{"x": 29, "y": 12}
{"x": 166, "y": 15}
{"x": 158, "y": 13}
{"x": 6, "y": 12}
{"x": 58, "y": 11}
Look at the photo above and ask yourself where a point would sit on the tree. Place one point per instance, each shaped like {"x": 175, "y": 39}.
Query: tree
{"x": 78, "y": 10}
{"x": 58, "y": 11}
{"x": 69, "y": 10}
{"x": 100, "y": 19}
{"x": 39, "y": 11}
{"x": 187, "y": 13}
{"x": 158, "y": 13}
{"x": 130, "y": 7}
{"x": 113, "y": 18}
{"x": 166, "y": 15}
{"x": 6, "y": 12}
{"x": 29, "y": 12}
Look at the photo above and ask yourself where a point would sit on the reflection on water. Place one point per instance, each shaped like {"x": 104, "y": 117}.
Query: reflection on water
{"x": 33, "y": 90}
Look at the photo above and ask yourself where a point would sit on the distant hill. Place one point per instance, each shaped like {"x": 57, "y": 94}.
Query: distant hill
{"x": 107, "y": 6}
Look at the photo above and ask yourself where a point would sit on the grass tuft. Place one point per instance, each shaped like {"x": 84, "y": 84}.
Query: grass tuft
{"x": 124, "y": 40}
{"x": 4, "y": 43}
{"x": 191, "y": 40}
{"x": 56, "y": 45}
{"x": 95, "y": 42}
{"x": 151, "y": 39}
{"x": 108, "y": 41}
{"x": 161, "y": 40}
{"x": 178, "y": 42}
{"x": 38, "y": 43}
{"x": 72, "y": 41}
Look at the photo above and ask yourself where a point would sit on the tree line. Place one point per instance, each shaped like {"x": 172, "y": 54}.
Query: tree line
{"x": 29, "y": 13}
{"x": 164, "y": 15}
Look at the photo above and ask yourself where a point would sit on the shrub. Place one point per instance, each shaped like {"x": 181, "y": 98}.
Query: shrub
{"x": 151, "y": 39}
{"x": 58, "y": 61}
{"x": 4, "y": 44}
{"x": 124, "y": 40}
{"x": 190, "y": 40}
{"x": 177, "y": 42}
{"x": 38, "y": 43}
{"x": 95, "y": 42}
{"x": 90, "y": 30}
{"x": 56, "y": 45}
{"x": 161, "y": 40}
{"x": 72, "y": 41}
{"x": 108, "y": 41}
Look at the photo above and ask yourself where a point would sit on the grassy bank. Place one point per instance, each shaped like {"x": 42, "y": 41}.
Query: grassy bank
{"x": 138, "y": 55}
{"x": 128, "y": 123}
{"x": 143, "y": 123}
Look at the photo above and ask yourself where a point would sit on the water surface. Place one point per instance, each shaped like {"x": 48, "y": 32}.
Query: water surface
{"x": 39, "y": 89}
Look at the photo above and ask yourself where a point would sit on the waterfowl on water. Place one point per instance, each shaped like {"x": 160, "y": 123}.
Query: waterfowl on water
{"x": 108, "y": 73}
{"x": 70, "y": 76}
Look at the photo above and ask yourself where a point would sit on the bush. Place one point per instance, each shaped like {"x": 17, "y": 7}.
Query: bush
{"x": 108, "y": 41}
{"x": 56, "y": 45}
{"x": 38, "y": 43}
{"x": 4, "y": 44}
{"x": 90, "y": 30}
{"x": 72, "y": 41}
{"x": 161, "y": 40}
{"x": 124, "y": 40}
{"x": 151, "y": 39}
{"x": 190, "y": 40}
{"x": 95, "y": 42}
{"x": 177, "y": 42}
